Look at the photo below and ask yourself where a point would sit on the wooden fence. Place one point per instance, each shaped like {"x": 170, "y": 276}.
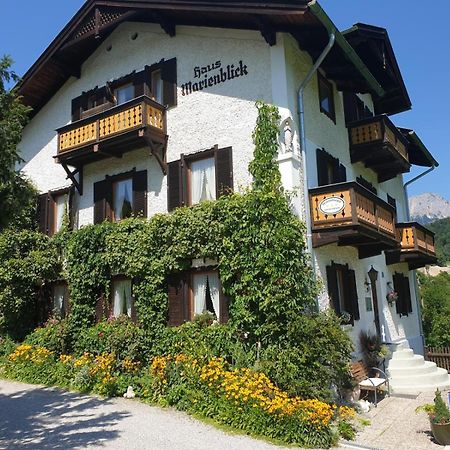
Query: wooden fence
{"x": 439, "y": 355}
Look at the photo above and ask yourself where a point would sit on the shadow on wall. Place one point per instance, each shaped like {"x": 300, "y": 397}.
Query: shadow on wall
{"x": 52, "y": 419}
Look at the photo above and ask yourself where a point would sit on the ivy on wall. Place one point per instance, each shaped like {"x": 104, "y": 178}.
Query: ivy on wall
{"x": 257, "y": 240}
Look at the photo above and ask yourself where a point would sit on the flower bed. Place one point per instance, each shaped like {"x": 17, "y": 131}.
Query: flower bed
{"x": 239, "y": 397}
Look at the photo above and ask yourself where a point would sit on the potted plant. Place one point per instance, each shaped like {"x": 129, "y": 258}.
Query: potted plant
{"x": 439, "y": 415}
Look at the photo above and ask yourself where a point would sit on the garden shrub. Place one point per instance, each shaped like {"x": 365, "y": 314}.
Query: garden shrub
{"x": 313, "y": 358}
{"x": 28, "y": 261}
{"x": 119, "y": 336}
{"x": 55, "y": 335}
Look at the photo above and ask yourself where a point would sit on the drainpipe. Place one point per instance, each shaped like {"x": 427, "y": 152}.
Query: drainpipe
{"x": 301, "y": 119}
{"x": 408, "y": 218}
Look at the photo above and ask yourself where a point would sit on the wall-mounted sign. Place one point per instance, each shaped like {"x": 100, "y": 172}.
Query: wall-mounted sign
{"x": 213, "y": 74}
{"x": 332, "y": 205}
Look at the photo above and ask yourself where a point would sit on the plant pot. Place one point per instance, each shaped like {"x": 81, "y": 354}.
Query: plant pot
{"x": 441, "y": 433}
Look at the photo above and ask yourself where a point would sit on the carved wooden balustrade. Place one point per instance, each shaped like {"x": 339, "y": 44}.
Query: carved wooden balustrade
{"x": 417, "y": 246}
{"x": 114, "y": 130}
{"x": 378, "y": 143}
{"x": 349, "y": 214}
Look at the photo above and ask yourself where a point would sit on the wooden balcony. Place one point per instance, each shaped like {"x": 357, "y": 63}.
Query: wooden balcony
{"x": 417, "y": 246}
{"x": 349, "y": 214}
{"x": 378, "y": 143}
{"x": 138, "y": 123}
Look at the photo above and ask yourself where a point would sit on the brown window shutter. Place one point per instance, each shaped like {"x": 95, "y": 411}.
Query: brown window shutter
{"x": 169, "y": 77}
{"x": 336, "y": 169}
{"x": 350, "y": 108}
{"x": 322, "y": 167}
{"x": 70, "y": 212}
{"x": 139, "y": 83}
{"x": 399, "y": 287}
{"x": 333, "y": 290}
{"x": 45, "y": 213}
{"x": 77, "y": 105}
{"x": 342, "y": 178}
{"x": 101, "y": 308}
{"x": 140, "y": 193}
{"x": 351, "y": 291}
{"x": 224, "y": 171}
{"x": 407, "y": 292}
{"x": 102, "y": 201}
{"x": 174, "y": 188}
{"x": 224, "y": 308}
{"x": 177, "y": 301}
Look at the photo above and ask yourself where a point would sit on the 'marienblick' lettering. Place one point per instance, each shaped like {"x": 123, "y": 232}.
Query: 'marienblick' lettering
{"x": 224, "y": 74}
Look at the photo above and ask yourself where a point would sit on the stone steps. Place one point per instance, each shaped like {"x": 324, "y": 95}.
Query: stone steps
{"x": 411, "y": 374}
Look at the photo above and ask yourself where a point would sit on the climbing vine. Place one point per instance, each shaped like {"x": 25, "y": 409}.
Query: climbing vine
{"x": 255, "y": 237}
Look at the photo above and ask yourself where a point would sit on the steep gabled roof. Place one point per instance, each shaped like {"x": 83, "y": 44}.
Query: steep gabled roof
{"x": 418, "y": 153}
{"x": 97, "y": 19}
{"x": 374, "y": 47}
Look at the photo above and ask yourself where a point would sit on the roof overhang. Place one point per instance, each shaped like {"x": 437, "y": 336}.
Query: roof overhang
{"x": 419, "y": 155}
{"x": 374, "y": 47}
{"x": 97, "y": 19}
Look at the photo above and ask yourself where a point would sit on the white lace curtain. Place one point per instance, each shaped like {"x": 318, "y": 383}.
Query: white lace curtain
{"x": 61, "y": 202}
{"x": 122, "y": 297}
{"x": 123, "y": 199}
{"x": 203, "y": 180}
{"x": 201, "y": 282}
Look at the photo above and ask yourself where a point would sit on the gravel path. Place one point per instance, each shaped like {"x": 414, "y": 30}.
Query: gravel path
{"x": 39, "y": 418}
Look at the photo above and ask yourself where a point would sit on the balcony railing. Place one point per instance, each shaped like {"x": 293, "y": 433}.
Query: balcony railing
{"x": 349, "y": 214}
{"x": 417, "y": 246}
{"x": 378, "y": 143}
{"x": 105, "y": 128}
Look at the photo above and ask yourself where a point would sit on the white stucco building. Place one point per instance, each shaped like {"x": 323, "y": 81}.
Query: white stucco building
{"x": 153, "y": 104}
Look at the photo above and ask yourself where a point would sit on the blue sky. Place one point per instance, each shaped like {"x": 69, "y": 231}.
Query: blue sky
{"x": 419, "y": 36}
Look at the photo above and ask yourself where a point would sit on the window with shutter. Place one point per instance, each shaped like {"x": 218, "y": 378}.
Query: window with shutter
{"x": 326, "y": 97}
{"x": 204, "y": 176}
{"x": 52, "y": 208}
{"x": 102, "y": 200}
{"x": 60, "y": 297}
{"x": 329, "y": 169}
{"x": 342, "y": 291}
{"x": 404, "y": 302}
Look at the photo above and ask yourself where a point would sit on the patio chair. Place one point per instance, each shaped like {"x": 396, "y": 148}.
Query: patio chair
{"x": 360, "y": 372}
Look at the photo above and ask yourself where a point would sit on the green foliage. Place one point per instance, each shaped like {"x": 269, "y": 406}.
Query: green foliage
{"x": 312, "y": 358}
{"x": 17, "y": 195}
{"x": 441, "y": 413}
{"x": 441, "y": 228}
{"x": 119, "y": 336}
{"x": 27, "y": 261}
{"x": 56, "y": 335}
{"x": 435, "y": 293}
{"x": 265, "y": 136}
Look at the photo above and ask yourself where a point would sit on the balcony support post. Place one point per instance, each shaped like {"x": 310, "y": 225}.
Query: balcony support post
{"x": 71, "y": 176}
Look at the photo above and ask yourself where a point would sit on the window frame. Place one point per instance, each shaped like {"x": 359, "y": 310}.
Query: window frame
{"x": 114, "y": 181}
{"x": 189, "y": 159}
{"x": 121, "y": 278}
{"x": 191, "y": 299}
{"x": 47, "y": 209}
{"x": 124, "y": 85}
{"x": 66, "y": 298}
{"x": 325, "y": 84}
{"x": 345, "y": 285}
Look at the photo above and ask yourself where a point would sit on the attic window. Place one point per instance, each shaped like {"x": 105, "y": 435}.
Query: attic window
{"x": 326, "y": 97}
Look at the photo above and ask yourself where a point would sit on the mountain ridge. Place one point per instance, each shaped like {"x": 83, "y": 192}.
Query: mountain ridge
{"x": 428, "y": 207}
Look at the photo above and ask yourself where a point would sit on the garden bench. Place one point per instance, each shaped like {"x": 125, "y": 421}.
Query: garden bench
{"x": 360, "y": 372}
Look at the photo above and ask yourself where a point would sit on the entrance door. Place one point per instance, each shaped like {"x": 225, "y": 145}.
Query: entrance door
{"x": 373, "y": 277}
